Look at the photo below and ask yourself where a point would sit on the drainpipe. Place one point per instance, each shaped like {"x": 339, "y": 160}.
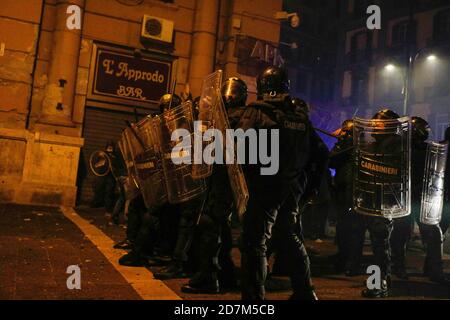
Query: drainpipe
{"x": 36, "y": 54}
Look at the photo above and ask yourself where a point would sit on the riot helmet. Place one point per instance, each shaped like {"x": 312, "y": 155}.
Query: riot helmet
{"x": 385, "y": 114}
{"x": 234, "y": 92}
{"x": 300, "y": 105}
{"x": 420, "y": 129}
{"x": 345, "y": 131}
{"x": 272, "y": 83}
{"x": 110, "y": 146}
{"x": 347, "y": 127}
{"x": 164, "y": 102}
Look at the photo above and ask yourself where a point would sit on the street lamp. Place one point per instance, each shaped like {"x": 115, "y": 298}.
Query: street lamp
{"x": 389, "y": 67}
{"x": 409, "y": 76}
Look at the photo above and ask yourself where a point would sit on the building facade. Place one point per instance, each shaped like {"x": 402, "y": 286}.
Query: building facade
{"x": 309, "y": 51}
{"x": 373, "y": 65}
{"x": 64, "y": 91}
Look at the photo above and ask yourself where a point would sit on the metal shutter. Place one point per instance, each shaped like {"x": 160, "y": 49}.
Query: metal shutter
{"x": 100, "y": 126}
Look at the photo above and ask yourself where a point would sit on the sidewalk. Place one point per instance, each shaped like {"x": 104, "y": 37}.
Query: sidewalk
{"x": 36, "y": 247}
{"x": 37, "y": 244}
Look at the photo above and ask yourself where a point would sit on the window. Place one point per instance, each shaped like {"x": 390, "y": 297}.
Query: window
{"x": 359, "y": 89}
{"x": 361, "y": 44}
{"x": 442, "y": 26}
{"x": 402, "y": 33}
{"x": 442, "y": 79}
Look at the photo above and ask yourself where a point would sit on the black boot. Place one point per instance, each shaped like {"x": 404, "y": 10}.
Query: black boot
{"x": 173, "y": 271}
{"x": 440, "y": 277}
{"x": 400, "y": 272}
{"x": 133, "y": 259}
{"x": 383, "y": 292}
{"x": 308, "y": 295}
{"x": 202, "y": 283}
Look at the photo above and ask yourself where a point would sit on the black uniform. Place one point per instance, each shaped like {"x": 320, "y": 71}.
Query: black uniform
{"x": 276, "y": 198}
{"x": 216, "y": 268}
{"x": 105, "y": 187}
{"x": 350, "y": 228}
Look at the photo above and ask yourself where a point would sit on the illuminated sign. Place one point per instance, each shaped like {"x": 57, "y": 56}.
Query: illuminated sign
{"x": 254, "y": 55}
{"x": 118, "y": 76}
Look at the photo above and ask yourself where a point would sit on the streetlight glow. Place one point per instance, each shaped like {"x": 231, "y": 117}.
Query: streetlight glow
{"x": 390, "y": 67}
{"x": 431, "y": 57}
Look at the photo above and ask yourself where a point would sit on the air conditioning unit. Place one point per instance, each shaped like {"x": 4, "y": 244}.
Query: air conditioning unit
{"x": 157, "y": 29}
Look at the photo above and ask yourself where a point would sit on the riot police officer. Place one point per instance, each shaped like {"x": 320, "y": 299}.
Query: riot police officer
{"x": 275, "y": 198}
{"x": 380, "y": 228}
{"x": 143, "y": 229}
{"x": 216, "y": 268}
{"x": 168, "y": 101}
{"x": 349, "y": 244}
{"x": 105, "y": 187}
{"x": 179, "y": 266}
{"x": 431, "y": 234}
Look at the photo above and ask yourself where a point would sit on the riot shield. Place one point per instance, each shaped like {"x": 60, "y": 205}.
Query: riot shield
{"x": 207, "y": 108}
{"x": 235, "y": 173}
{"x": 100, "y": 163}
{"x": 181, "y": 186}
{"x": 433, "y": 184}
{"x": 382, "y": 167}
{"x": 130, "y": 185}
{"x": 143, "y": 142}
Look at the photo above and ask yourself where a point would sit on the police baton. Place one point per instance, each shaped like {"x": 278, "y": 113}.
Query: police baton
{"x": 326, "y": 133}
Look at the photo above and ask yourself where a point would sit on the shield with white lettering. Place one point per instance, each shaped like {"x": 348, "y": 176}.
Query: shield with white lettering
{"x": 382, "y": 167}
{"x": 144, "y": 146}
{"x": 433, "y": 184}
{"x": 175, "y": 129}
{"x": 100, "y": 163}
{"x": 130, "y": 185}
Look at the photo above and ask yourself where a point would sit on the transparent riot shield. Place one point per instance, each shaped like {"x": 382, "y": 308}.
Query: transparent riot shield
{"x": 433, "y": 184}
{"x": 144, "y": 147}
{"x": 382, "y": 175}
{"x": 100, "y": 163}
{"x": 207, "y": 108}
{"x": 177, "y": 162}
{"x": 235, "y": 173}
{"x": 130, "y": 185}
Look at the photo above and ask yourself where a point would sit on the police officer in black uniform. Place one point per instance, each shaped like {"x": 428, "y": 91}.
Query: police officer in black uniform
{"x": 276, "y": 197}
{"x": 349, "y": 243}
{"x": 105, "y": 187}
{"x": 180, "y": 265}
{"x": 216, "y": 268}
{"x": 380, "y": 228}
{"x": 431, "y": 234}
{"x": 143, "y": 229}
